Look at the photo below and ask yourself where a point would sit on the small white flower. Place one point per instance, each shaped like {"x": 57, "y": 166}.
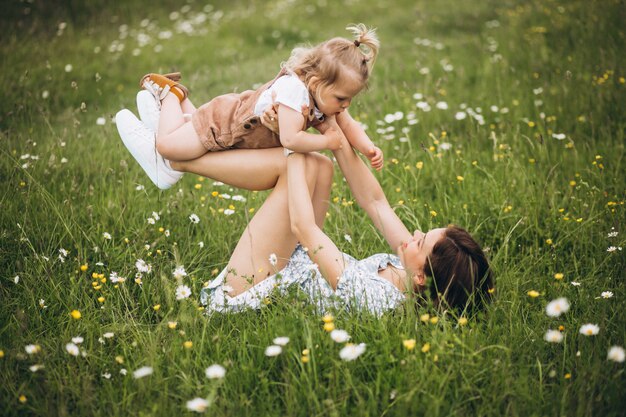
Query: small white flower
{"x": 273, "y": 350}
{"x": 239, "y": 198}
{"x": 32, "y": 349}
{"x": 140, "y": 187}
{"x": 215, "y": 372}
{"x": 199, "y": 405}
{"x": 348, "y": 238}
{"x": 16, "y": 279}
{"x": 179, "y": 272}
{"x": 351, "y": 352}
{"x": 557, "y": 307}
{"x": 45, "y": 94}
{"x": 589, "y": 329}
{"x": 63, "y": 252}
{"x": 68, "y": 68}
{"x": 156, "y": 216}
{"x": 194, "y": 218}
{"x": 339, "y": 336}
{"x": 225, "y": 196}
{"x": 106, "y": 375}
{"x": 460, "y": 115}
{"x": 142, "y": 372}
{"x": 229, "y": 212}
{"x": 553, "y": 336}
{"x": 281, "y": 341}
{"x": 142, "y": 266}
{"x": 72, "y": 349}
{"x": 182, "y": 292}
{"x": 78, "y": 340}
{"x": 35, "y": 368}
{"x": 114, "y": 278}
{"x": 575, "y": 283}
{"x": 445, "y": 146}
{"x": 101, "y": 121}
{"x": 611, "y": 249}
{"x": 612, "y": 233}
{"x": 106, "y": 235}
{"x": 606, "y": 294}
{"x": 108, "y": 335}
{"x": 167, "y": 233}
{"x": 273, "y": 260}
{"x": 64, "y": 160}
{"x": 123, "y": 371}
{"x": 42, "y": 303}
{"x": 442, "y": 105}
{"x": 201, "y": 244}
{"x": 150, "y": 220}
{"x": 559, "y": 136}
{"x": 616, "y": 354}
{"x": 537, "y": 91}
{"x": 227, "y": 288}
{"x": 101, "y": 341}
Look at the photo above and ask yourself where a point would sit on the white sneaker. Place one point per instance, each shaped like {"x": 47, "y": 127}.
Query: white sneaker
{"x": 149, "y": 110}
{"x": 141, "y": 143}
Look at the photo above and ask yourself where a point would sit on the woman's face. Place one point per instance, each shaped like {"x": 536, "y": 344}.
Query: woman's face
{"x": 414, "y": 253}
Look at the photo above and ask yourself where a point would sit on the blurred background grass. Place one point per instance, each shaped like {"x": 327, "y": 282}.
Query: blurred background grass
{"x": 528, "y": 95}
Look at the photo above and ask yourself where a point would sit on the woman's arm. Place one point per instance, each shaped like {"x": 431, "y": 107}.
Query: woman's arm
{"x": 293, "y": 137}
{"x": 321, "y": 249}
{"x": 368, "y": 193}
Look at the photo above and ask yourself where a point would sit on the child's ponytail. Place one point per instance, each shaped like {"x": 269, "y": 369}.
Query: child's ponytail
{"x": 366, "y": 37}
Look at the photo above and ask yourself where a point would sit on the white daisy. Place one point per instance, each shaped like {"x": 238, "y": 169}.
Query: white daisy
{"x": 606, "y": 294}
{"x": 273, "y": 260}
{"x": 107, "y": 235}
{"x": 553, "y": 336}
{"x": 215, "y": 372}
{"x": 351, "y": 352}
{"x": 589, "y": 329}
{"x": 179, "y": 272}
{"x": 108, "y": 335}
{"x": 78, "y": 340}
{"x": 616, "y": 354}
{"x": 182, "y": 292}
{"x": 199, "y": 405}
{"x": 32, "y": 349}
{"x": 142, "y": 372}
{"x": 281, "y": 341}
{"x": 557, "y": 307}
{"x": 273, "y": 350}
{"x": 339, "y": 336}
{"x": 194, "y": 218}
{"x": 142, "y": 266}
{"x": 72, "y": 349}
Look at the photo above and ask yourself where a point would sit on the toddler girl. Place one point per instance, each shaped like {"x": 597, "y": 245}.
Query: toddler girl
{"x": 315, "y": 83}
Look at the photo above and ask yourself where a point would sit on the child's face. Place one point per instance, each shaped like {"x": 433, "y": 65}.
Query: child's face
{"x": 337, "y": 97}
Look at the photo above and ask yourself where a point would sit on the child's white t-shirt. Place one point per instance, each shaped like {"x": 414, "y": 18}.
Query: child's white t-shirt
{"x": 290, "y": 91}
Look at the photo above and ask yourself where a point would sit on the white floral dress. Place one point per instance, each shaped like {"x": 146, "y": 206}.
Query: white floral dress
{"x": 360, "y": 288}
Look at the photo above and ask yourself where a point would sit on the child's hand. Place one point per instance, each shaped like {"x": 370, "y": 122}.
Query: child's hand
{"x": 333, "y": 133}
{"x": 375, "y": 155}
{"x": 269, "y": 119}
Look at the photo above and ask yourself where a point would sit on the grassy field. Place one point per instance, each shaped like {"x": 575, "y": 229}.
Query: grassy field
{"x": 505, "y": 117}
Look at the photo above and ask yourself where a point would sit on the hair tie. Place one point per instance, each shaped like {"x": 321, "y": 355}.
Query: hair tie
{"x": 357, "y": 43}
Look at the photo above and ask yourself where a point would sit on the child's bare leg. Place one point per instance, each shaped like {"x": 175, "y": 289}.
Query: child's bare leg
{"x": 177, "y": 139}
{"x": 251, "y": 169}
{"x": 187, "y": 106}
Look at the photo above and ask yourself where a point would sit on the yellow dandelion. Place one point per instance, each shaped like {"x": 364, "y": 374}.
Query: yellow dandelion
{"x": 531, "y": 160}
{"x": 306, "y": 352}
{"x": 251, "y": 210}
{"x": 119, "y": 359}
{"x": 463, "y": 321}
{"x": 328, "y": 318}
{"x": 172, "y": 324}
{"x": 561, "y": 328}
{"x": 156, "y": 307}
{"x": 559, "y": 276}
{"x": 572, "y": 183}
{"x": 84, "y": 267}
{"x": 197, "y": 186}
{"x": 329, "y": 327}
{"x": 1, "y": 353}
{"x": 22, "y": 399}
{"x": 426, "y": 347}
{"x": 459, "y": 178}
{"x": 434, "y": 320}
{"x": 491, "y": 290}
{"x": 531, "y": 124}
{"x": 188, "y": 344}
{"x": 568, "y": 375}
{"x": 305, "y": 359}
{"x": 75, "y": 314}
{"x": 409, "y": 344}
{"x": 549, "y": 242}
{"x": 101, "y": 299}
{"x": 433, "y": 213}
{"x": 215, "y": 193}
{"x": 419, "y": 165}
{"x": 533, "y": 293}
{"x": 424, "y": 318}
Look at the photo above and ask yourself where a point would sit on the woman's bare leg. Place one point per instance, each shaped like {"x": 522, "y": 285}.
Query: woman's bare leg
{"x": 177, "y": 139}
{"x": 321, "y": 192}
{"x": 269, "y": 232}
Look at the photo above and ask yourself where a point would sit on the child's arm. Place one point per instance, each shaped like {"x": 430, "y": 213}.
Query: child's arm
{"x": 321, "y": 249}
{"x": 368, "y": 193}
{"x": 359, "y": 139}
{"x": 292, "y": 135}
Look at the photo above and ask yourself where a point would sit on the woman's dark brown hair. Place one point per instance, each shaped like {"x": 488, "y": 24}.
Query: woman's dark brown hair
{"x": 460, "y": 272}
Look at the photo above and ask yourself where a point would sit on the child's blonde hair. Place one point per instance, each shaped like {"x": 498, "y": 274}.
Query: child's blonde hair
{"x": 327, "y": 60}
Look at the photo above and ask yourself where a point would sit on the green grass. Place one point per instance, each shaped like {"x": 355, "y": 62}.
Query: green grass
{"x": 556, "y": 66}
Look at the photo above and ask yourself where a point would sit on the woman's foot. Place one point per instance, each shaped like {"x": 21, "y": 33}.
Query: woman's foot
{"x": 140, "y": 141}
